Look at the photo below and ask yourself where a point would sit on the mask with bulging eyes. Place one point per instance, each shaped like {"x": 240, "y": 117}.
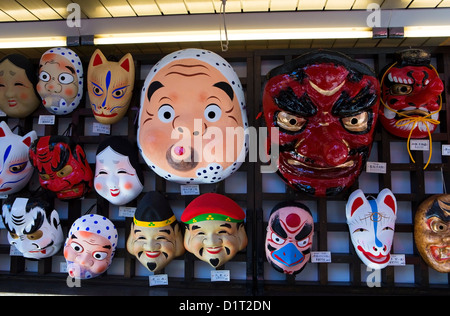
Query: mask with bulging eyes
{"x": 325, "y": 105}
{"x": 289, "y": 237}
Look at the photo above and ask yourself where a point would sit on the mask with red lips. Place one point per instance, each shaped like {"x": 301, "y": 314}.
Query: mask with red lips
{"x": 289, "y": 237}
{"x": 62, "y": 166}
{"x": 411, "y": 90}
{"x": 325, "y": 105}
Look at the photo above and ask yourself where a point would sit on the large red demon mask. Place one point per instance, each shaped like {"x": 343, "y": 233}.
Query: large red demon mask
{"x": 325, "y": 105}
{"x": 410, "y": 93}
{"x": 62, "y": 166}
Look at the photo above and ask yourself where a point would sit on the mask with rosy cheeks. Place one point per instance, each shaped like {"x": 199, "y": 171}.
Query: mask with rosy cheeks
{"x": 62, "y": 166}
{"x": 15, "y": 167}
{"x": 371, "y": 223}
{"x": 155, "y": 236}
{"x": 432, "y": 232}
{"x": 110, "y": 87}
{"x": 192, "y": 120}
{"x": 33, "y": 226}
{"x": 60, "y": 80}
{"x": 118, "y": 175}
{"x": 323, "y": 98}
{"x": 18, "y": 98}
{"x": 289, "y": 237}
{"x": 215, "y": 230}
{"x": 411, "y": 94}
{"x": 90, "y": 246}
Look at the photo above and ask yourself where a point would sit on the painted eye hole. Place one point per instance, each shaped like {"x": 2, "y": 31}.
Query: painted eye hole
{"x": 36, "y": 235}
{"x": 303, "y": 243}
{"x": 277, "y": 239}
{"x": 96, "y": 89}
{"x": 44, "y": 76}
{"x": 166, "y": 113}
{"x": 14, "y": 235}
{"x": 401, "y": 89}
{"x": 99, "y": 255}
{"x": 357, "y": 123}
{"x": 65, "y": 78}
{"x": 44, "y": 176}
{"x": 289, "y": 122}
{"x": 64, "y": 172}
{"x": 18, "y": 167}
{"x": 213, "y": 113}
{"x": 119, "y": 93}
{"x": 76, "y": 246}
{"x": 360, "y": 230}
{"x": 438, "y": 226}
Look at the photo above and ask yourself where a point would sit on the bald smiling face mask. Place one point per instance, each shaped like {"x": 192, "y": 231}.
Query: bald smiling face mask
{"x": 192, "y": 119}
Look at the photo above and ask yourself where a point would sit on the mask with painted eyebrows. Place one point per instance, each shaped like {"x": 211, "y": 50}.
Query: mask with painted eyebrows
{"x": 192, "y": 119}
{"x": 325, "y": 105}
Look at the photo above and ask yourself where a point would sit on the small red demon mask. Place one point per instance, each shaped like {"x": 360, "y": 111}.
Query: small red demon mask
{"x": 325, "y": 105}
{"x": 289, "y": 237}
{"x": 410, "y": 93}
{"x": 62, "y": 166}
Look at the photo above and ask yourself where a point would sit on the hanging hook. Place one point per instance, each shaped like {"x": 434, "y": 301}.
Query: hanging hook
{"x": 224, "y": 46}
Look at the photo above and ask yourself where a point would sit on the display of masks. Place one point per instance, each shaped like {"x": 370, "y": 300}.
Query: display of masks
{"x": 192, "y": 119}
{"x": 325, "y": 105}
{"x": 432, "y": 232}
{"x": 60, "y": 80}
{"x": 289, "y": 237}
{"x": 90, "y": 246}
{"x": 110, "y": 86}
{"x": 15, "y": 167}
{"x": 33, "y": 226}
{"x": 371, "y": 223}
{"x": 18, "y": 97}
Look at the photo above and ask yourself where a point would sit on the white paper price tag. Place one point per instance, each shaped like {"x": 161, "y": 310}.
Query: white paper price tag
{"x": 445, "y": 150}
{"x": 375, "y": 167}
{"x": 46, "y": 120}
{"x": 220, "y": 275}
{"x": 158, "y": 279}
{"x": 419, "y": 144}
{"x": 14, "y": 252}
{"x": 2, "y": 113}
{"x": 190, "y": 189}
{"x": 397, "y": 260}
{"x": 63, "y": 267}
{"x": 101, "y": 128}
{"x": 320, "y": 257}
{"x": 3, "y": 196}
{"x": 126, "y": 211}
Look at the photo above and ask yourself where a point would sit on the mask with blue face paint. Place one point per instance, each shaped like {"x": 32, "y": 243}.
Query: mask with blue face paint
{"x": 289, "y": 237}
{"x": 371, "y": 224}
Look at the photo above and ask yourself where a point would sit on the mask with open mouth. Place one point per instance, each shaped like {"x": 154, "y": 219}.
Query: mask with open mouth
{"x": 432, "y": 231}
{"x": 325, "y": 105}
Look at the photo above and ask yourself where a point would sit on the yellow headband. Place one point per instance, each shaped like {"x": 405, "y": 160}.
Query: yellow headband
{"x": 155, "y": 224}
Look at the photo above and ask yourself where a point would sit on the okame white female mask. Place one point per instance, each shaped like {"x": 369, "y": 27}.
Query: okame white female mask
{"x": 371, "y": 223}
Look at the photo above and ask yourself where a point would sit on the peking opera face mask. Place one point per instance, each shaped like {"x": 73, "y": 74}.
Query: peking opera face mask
{"x": 118, "y": 175}
{"x": 323, "y": 98}
{"x": 15, "y": 166}
{"x": 62, "y": 166}
{"x": 18, "y": 97}
{"x": 90, "y": 246}
{"x": 60, "y": 80}
{"x": 33, "y": 226}
{"x": 289, "y": 237}
{"x": 371, "y": 223}
{"x": 110, "y": 85}
{"x": 215, "y": 230}
{"x": 432, "y": 232}
{"x": 192, "y": 120}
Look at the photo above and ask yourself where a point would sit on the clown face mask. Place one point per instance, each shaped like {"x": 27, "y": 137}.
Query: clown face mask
{"x": 110, "y": 86}
{"x": 15, "y": 167}
{"x": 62, "y": 166}
{"x": 289, "y": 237}
{"x": 432, "y": 232}
{"x": 411, "y": 90}
{"x": 90, "y": 246}
{"x": 371, "y": 224}
{"x": 118, "y": 175}
{"x": 60, "y": 80}
{"x": 18, "y": 97}
{"x": 192, "y": 120}
{"x": 215, "y": 229}
{"x": 155, "y": 237}
{"x": 325, "y": 106}
{"x": 33, "y": 226}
